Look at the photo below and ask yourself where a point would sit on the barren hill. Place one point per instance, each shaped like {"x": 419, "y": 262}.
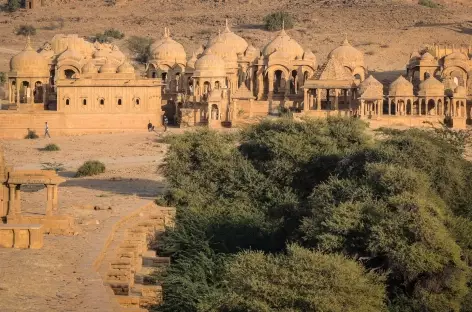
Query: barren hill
{"x": 387, "y": 30}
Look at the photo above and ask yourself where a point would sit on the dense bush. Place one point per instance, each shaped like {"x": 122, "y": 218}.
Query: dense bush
{"x": 108, "y": 35}
{"x": 26, "y": 30}
{"x": 141, "y": 48}
{"x": 13, "y": 5}
{"x": 399, "y": 205}
{"x": 51, "y": 148}
{"x": 90, "y": 168}
{"x": 3, "y": 77}
{"x": 31, "y": 135}
{"x": 277, "y": 20}
{"x": 429, "y": 4}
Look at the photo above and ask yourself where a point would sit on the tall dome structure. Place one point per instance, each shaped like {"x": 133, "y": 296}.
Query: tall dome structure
{"x": 169, "y": 50}
{"x": 238, "y": 44}
{"x": 348, "y": 56}
{"x": 284, "y": 45}
{"x": 209, "y": 65}
{"x": 431, "y": 87}
{"x": 401, "y": 87}
{"x": 29, "y": 62}
{"x": 226, "y": 51}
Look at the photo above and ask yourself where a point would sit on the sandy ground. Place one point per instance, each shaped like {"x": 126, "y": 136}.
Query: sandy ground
{"x": 59, "y": 277}
{"x": 388, "y": 31}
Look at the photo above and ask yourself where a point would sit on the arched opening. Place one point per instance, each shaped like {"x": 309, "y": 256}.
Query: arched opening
{"x": 84, "y": 101}
{"x": 277, "y": 81}
{"x": 426, "y": 76}
{"x": 293, "y": 82}
{"x": 215, "y": 114}
{"x": 69, "y": 74}
{"x": 67, "y": 101}
{"x": 190, "y": 86}
{"x": 431, "y": 106}
{"x": 102, "y": 101}
{"x": 401, "y": 107}
{"x": 217, "y": 84}
{"x": 136, "y": 101}
{"x": 25, "y": 92}
{"x": 13, "y": 91}
{"x": 52, "y": 74}
{"x": 409, "y": 107}
{"x": 393, "y": 108}
{"x": 206, "y": 87}
{"x": 38, "y": 92}
{"x": 177, "y": 81}
{"x": 357, "y": 77}
{"x": 154, "y": 74}
{"x": 305, "y": 76}
{"x": 164, "y": 76}
{"x": 440, "y": 109}
{"x": 119, "y": 102}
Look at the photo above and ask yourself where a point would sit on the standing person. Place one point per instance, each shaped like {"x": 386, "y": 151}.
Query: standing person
{"x": 150, "y": 127}
{"x": 165, "y": 123}
{"x": 46, "y": 130}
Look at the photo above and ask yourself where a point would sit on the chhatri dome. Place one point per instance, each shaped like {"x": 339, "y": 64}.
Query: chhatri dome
{"x": 226, "y": 51}
{"x": 126, "y": 68}
{"x": 169, "y": 50}
{"x": 209, "y": 65}
{"x": 29, "y": 62}
{"x": 108, "y": 68}
{"x": 238, "y": 43}
{"x": 348, "y": 56}
{"x": 401, "y": 87}
{"x": 285, "y": 45}
{"x": 431, "y": 86}
{"x": 89, "y": 68}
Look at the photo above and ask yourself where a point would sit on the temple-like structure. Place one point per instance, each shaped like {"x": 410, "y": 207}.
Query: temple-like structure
{"x": 228, "y": 80}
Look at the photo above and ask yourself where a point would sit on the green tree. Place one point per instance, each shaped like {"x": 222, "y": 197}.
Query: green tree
{"x": 300, "y": 280}
{"x": 141, "y": 48}
{"x": 13, "y": 5}
{"x": 26, "y": 30}
{"x": 278, "y": 20}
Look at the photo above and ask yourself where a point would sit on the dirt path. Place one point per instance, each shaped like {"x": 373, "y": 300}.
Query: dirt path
{"x": 60, "y": 276}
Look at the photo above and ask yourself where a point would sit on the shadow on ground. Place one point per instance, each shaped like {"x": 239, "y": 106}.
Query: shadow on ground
{"x": 139, "y": 187}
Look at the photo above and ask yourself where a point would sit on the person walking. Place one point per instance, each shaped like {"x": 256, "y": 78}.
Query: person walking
{"x": 150, "y": 126}
{"x": 46, "y": 130}
{"x": 166, "y": 121}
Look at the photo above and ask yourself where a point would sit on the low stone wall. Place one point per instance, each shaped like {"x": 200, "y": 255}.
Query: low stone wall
{"x": 15, "y": 124}
{"x": 21, "y": 236}
{"x": 55, "y": 224}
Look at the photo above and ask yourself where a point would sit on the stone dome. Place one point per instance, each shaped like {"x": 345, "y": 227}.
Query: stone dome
{"x": 348, "y": 56}
{"x": 309, "y": 56}
{"x": 102, "y": 53}
{"x": 126, "y": 68}
{"x": 371, "y": 85}
{"x": 29, "y": 63}
{"x": 286, "y": 44}
{"x": 70, "y": 55}
{"x": 251, "y": 51}
{"x": 169, "y": 50}
{"x": 460, "y": 91}
{"x": 432, "y": 86}
{"x": 457, "y": 56}
{"x": 226, "y": 51}
{"x": 401, "y": 87}
{"x": 108, "y": 68}
{"x": 89, "y": 68}
{"x": 238, "y": 43}
{"x": 427, "y": 57}
{"x": 210, "y": 65}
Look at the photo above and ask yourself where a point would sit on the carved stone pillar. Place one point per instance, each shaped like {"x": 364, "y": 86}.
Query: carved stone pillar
{"x": 50, "y": 200}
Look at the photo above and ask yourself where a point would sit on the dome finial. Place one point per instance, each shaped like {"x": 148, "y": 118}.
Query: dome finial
{"x": 165, "y": 32}
{"x": 345, "y": 42}
{"x": 28, "y": 43}
{"x": 227, "y": 30}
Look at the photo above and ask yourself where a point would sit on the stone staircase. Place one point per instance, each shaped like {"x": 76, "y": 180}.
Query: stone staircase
{"x": 129, "y": 266}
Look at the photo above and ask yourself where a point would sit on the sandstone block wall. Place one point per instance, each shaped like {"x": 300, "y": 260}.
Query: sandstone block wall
{"x": 21, "y": 236}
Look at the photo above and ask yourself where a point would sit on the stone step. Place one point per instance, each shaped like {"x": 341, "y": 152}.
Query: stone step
{"x": 156, "y": 261}
{"x": 128, "y": 301}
